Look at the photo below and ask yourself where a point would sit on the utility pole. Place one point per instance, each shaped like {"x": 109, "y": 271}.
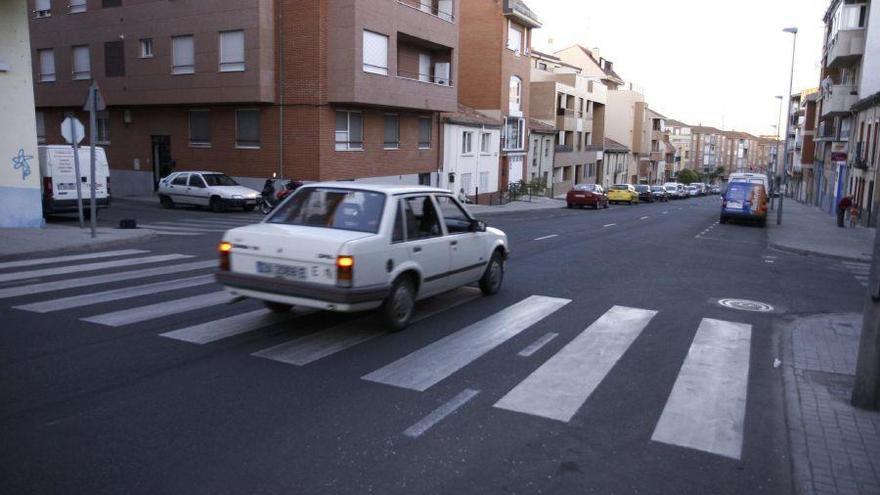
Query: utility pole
{"x": 866, "y": 391}
{"x": 784, "y": 180}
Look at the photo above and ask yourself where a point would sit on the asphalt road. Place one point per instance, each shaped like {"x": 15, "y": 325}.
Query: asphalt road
{"x": 667, "y": 392}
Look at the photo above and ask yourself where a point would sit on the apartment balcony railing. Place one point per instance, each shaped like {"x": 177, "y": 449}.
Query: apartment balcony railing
{"x": 846, "y": 48}
{"x": 858, "y": 161}
{"x": 437, "y": 8}
{"x": 564, "y": 148}
{"x": 565, "y": 112}
{"x": 840, "y": 100}
{"x": 440, "y": 80}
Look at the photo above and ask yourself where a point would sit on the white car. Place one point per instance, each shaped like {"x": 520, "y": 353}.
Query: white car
{"x": 212, "y": 189}
{"x": 348, "y": 247}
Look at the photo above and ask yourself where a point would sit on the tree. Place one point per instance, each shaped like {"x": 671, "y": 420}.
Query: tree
{"x": 687, "y": 176}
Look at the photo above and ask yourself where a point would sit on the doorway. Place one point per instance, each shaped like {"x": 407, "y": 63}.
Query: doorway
{"x": 161, "y": 155}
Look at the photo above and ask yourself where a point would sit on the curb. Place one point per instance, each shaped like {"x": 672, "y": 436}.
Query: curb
{"x": 147, "y": 234}
{"x": 807, "y": 252}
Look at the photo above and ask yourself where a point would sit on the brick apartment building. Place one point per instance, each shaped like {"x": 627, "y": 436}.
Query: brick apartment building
{"x": 310, "y": 89}
{"x": 495, "y": 40}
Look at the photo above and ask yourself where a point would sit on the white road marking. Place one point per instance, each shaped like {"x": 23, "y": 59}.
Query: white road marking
{"x": 168, "y": 232}
{"x": 63, "y": 270}
{"x": 115, "y": 294}
{"x": 666, "y": 212}
{"x": 609, "y": 225}
{"x": 435, "y": 362}
{"x": 546, "y": 237}
{"x": 310, "y": 348}
{"x": 178, "y": 229}
{"x": 538, "y": 344}
{"x": 706, "y": 408}
{"x": 75, "y": 257}
{"x": 559, "y": 388}
{"x": 159, "y": 310}
{"x": 211, "y": 331}
{"x": 855, "y": 264}
{"x": 861, "y": 278}
{"x": 643, "y": 218}
{"x": 440, "y": 413}
{"x": 26, "y": 290}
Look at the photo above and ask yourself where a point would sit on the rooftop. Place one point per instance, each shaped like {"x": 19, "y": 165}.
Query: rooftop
{"x": 468, "y": 116}
{"x": 613, "y": 146}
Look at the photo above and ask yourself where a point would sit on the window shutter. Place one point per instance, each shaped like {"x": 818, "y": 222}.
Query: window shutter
{"x": 375, "y": 53}
{"x": 247, "y": 128}
{"x": 42, "y": 5}
{"x": 114, "y": 58}
{"x": 441, "y": 73}
{"x": 81, "y": 63}
{"x": 232, "y": 51}
{"x": 356, "y": 129}
{"x": 392, "y": 131}
{"x": 47, "y": 65}
{"x": 424, "y": 67}
{"x": 200, "y": 127}
{"x": 183, "y": 56}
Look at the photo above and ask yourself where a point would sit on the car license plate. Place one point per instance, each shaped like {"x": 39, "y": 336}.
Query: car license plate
{"x": 293, "y": 272}
{"x": 734, "y": 205}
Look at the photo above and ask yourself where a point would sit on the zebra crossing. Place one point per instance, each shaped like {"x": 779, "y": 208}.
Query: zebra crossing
{"x": 705, "y": 409}
{"x": 197, "y": 226}
{"x": 861, "y": 271}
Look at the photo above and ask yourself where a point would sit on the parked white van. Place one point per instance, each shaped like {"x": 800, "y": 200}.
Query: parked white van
{"x": 58, "y": 175}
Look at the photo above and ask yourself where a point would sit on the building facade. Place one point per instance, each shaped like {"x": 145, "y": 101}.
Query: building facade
{"x": 471, "y": 145}
{"x": 707, "y": 150}
{"x": 542, "y": 152}
{"x": 679, "y": 135}
{"x": 246, "y": 89}
{"x": 865, "y": 157}
{"x": 615, "y": 164}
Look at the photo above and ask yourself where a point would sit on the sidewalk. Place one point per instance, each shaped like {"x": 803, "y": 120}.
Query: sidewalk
{"x": 807, "y": 230}
{"x": 62, "y": 238}
{"x": 835, "y": 448}
{"x": 537, "y": 203}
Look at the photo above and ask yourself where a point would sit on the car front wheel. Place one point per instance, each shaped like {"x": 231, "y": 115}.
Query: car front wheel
{"x": 490, "y": 284}
{"x": 217, "y": 205}
{"x": 398, "y": 308}
{"x": 166, "y": 202}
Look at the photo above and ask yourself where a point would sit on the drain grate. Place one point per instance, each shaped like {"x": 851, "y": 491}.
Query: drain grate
{"x": 746, "y": 305}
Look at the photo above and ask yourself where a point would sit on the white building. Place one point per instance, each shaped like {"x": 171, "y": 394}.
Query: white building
{"x": 615, "y": 163}
{"x": 470, "y": 160}
{"x": 20, "y": 201}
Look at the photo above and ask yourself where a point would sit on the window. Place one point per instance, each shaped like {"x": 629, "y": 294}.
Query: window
{"x": 81, "y": 63}
{"x": 424, "y": 67}
{"x": 546, "y": 148}
{"x": 466, "y": 182}
{"x": 200, "y": 128}
{"x": 588, "y": 139}
{"x": 47, "y": 65}
{"x": 425, "y": 179}
{"x": 180, "y": 180}
{"x": 375, "y": 53}
{"x": 515, "y": 93}
{"x": 349, "y": 131}
{"x": 41, "y": 127}
{"x": 102, "y": 127}
{"x": 422, "y": 220}
{"x": 542, "y": 66}
{"x": 247, "y": 128}
{"x": 332, "y": 208}
{"x": 484, "y": 181}
{"x": 485, "y": 143}
{"x": 182, "y": 54}
{"x": 195, "y": 180}
{"x": 232, "y": 51}
{"x": 457, "y": 221}
{"x": 111, "y": 3}
{"x": 42, "y": 8}
{"x": 76, "y": 6}
{"x": 513, "y": 133}
{"x": 467, "y": 142}
{"x": 514, "y": 37}
{"x": 114, "y": 58}
{"x": 147, "y": 48}
{"x": 425, "y": 125}
{"x": 392, "y": 132}
{"x": 398, "y": 234}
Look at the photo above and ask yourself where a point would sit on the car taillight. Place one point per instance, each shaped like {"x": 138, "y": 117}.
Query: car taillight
{"x": 47, "y": 186}
{"x": 344, "y": 271}
{"x": 224, "y": 249}
{"x": 108, "y": 186}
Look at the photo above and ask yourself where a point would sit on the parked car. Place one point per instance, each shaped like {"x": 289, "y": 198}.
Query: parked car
{"x": 211, "y": 189}
{"x": 645, "y": 193}
{"x": 693, "y": 190}
{"x": 672, "y": 191}
{"x": 623, "y": 193}
{"x": 587, "y": 195}
{"x": 715, "y": 190}
{"x": 746, "y": 200}
{"x": 750, "y": 177}
{"x": 59, "y": 179}
{"x": 355, "y": 247}
{"x": 659, "y": 193}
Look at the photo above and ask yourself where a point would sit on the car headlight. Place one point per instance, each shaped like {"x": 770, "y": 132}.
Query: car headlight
{"x": 237, "y": 196}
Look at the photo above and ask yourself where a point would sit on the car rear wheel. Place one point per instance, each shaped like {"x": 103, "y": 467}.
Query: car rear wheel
{"x": 570, "y": 206}
{"x": 277, "y": 307}
{"x": 166, "y": 202}
{"x": 398, "y": 308}
{"x": 217, "y": 205}
{"x": 490, "y": 284}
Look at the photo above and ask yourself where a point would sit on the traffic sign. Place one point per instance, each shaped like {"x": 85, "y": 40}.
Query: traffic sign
{"x": 72, "y": 124}
{"x": 100, "y": 105}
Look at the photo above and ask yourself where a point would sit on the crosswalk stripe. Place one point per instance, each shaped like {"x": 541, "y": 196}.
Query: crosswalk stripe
{"x": 115, "y": 294}
{"x": 862, "y": 278}
{"x": 310, "y": 348}
{"x": 72, "y": 283}
{"x": 435, "y": 362}
{"x": 64, "y": 270}
{"x": 211, "y": 331}
{"x": 706, "y": 408}
{"x": 855, "y": 264}
{"x": 440, "y": 413}
{"x": 75, "y": 257}
{"x": 225, "y": 223}
{"x": 538, "y": 344}
{"x": 184, "y": 234}
{"x": 159, "y": 310}
{"x": 559, "y": 388}
{"x": 178, "y": 229}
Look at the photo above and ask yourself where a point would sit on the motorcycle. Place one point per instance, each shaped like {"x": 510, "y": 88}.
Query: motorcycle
{"x": 269, "y": 199}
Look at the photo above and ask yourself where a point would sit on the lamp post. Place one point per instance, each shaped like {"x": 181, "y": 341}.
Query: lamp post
{"x": 784, "y": 179}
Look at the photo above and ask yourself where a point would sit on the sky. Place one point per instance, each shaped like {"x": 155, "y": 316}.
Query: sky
{"x": 709, "y": 62}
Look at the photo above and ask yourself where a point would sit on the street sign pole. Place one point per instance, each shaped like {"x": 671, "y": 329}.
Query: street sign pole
{"x": 93, "y": 90}
{"x": 74, "y": 141}
{"x": 866, "y": 390}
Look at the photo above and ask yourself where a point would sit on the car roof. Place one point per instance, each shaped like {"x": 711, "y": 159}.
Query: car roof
{"x": 384, "y": 188}
{"x": 194, "y": 172}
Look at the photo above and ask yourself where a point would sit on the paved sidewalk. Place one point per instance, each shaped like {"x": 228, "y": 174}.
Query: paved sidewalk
{"x": 835, "y": 448}
{"x": 60, "y": 238}
{"x": 808, "y": 230}
{"x": 537, "y": 203}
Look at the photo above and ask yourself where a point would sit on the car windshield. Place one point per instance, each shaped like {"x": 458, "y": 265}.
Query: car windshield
{"x": 642, "y": 188}
{"x": 219, "y": 180}
{"x": 343, "y": 209}
{"x": 671, "y": 188}
{"x": 585, "y": 187}
{"x": 738, "y": 191}
{"x": 657, "y": 189}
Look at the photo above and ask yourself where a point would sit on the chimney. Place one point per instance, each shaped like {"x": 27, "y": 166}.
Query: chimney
{"x": 596, "y": 52}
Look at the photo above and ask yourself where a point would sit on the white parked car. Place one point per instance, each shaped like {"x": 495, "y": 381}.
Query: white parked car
{"x": 212, "y": 189}
{"x": 348, "y": 247}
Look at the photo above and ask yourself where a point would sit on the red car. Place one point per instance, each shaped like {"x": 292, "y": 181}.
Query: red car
{"x": 587, "y": 195}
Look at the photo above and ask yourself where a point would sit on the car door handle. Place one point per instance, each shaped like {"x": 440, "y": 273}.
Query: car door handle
{"x": 453, "y": 243}
{"x": 417, "y": 249}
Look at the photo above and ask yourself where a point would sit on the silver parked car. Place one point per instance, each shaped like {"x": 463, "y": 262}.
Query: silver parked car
{"x": 210, "y": 189}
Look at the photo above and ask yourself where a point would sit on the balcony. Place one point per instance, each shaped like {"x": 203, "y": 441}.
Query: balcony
{"x": 437, "y": 8}
{"x": 846, "y": 48}
{"x": 840, "y": 101}
{"x": 568, "y": 119}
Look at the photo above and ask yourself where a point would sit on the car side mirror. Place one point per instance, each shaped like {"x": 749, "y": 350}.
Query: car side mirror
{"x": 478, "y": 226}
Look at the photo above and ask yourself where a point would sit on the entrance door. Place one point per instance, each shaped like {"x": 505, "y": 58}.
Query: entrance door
{"x": 162, "y": 166}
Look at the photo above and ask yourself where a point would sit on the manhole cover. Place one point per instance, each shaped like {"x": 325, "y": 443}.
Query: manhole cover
{"x": 746, "y": 305}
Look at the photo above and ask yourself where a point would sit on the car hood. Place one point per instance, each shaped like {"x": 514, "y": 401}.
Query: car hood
{"x": 229, "y": 191}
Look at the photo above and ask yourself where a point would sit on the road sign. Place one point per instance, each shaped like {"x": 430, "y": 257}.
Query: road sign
{"x": 100, "y": 106}
{"x": 79, "y": 132}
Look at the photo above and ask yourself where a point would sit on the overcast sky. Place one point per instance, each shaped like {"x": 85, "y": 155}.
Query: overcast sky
{"x": 699, "y": 61}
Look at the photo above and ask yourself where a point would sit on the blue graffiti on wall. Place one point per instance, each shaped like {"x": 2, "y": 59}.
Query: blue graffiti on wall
{"x": 20, "y": 161}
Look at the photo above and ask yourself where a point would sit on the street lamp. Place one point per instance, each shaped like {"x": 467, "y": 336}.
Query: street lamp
{"x": 784, "y": 180}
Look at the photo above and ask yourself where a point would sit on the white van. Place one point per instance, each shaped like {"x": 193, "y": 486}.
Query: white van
{"x": 58, "y": 175}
